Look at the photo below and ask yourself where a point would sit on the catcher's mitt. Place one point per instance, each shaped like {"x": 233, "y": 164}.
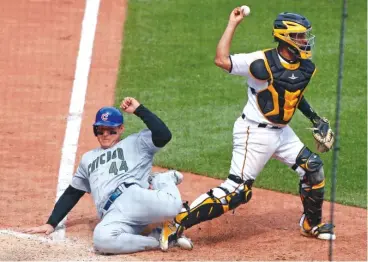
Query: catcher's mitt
{"x": 323, "y": 135}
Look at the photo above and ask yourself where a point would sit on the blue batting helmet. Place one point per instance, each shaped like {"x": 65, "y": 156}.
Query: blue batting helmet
{"x": 108, "y": 116}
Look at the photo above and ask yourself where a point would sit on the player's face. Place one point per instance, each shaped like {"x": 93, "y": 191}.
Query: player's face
{"x": 108, "y": 136}
{"x": 305, "y": 40}
{"x": 299, "y": 38}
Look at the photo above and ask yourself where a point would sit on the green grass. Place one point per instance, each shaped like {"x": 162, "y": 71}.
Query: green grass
{"x": 167, "y": 64}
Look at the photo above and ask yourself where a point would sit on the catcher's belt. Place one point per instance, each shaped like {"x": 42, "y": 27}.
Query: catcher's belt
{"x": 261, "y": 125}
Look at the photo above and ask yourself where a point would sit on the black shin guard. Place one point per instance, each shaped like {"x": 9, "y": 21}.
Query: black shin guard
{"x": 213, "y": 206}
{"x": 209, "y": 209}
{"x": 311, "y": 187}
{"x": 312, "y": 200}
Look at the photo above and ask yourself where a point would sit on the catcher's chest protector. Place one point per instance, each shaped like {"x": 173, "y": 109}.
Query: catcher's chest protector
{"x": 286, "y": 86}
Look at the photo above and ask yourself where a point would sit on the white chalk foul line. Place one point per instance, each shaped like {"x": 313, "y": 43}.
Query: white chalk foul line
{"x": 29, "y": 236}
{"x": 69, "y": 242}
{"x": 51, "y": 239}
{"x": 77, "y": 101}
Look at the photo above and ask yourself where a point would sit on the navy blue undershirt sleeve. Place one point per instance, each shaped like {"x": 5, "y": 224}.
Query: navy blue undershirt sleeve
{"x": 66, "y": 202}
{"x": 307, "y": 111}
{"x": 161, "y": 134}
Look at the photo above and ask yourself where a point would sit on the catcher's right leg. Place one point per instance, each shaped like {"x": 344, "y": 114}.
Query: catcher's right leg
{"x": 228, "y": 196}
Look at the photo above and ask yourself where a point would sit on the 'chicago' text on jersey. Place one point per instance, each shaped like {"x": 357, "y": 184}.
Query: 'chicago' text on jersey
{"x": 106, "y": 157}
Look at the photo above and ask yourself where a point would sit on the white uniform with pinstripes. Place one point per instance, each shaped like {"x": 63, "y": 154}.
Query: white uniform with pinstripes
{"x": 254, "y": 146}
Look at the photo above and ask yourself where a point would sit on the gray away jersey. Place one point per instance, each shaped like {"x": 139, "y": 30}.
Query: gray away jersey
{"x": 101, "y": 171}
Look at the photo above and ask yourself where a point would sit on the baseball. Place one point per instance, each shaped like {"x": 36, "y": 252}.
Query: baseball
{"x": 245, "y": 9}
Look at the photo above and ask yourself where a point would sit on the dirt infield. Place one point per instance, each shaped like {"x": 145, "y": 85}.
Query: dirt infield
{"x": 40, "y": 40}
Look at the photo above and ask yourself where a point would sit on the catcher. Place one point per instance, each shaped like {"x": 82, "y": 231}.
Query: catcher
{"x": 277, "y": 79}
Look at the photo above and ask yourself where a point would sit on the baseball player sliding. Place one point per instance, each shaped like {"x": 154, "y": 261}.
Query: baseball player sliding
{"x": 117, "y": 174}
{"x": 277, "y": 79}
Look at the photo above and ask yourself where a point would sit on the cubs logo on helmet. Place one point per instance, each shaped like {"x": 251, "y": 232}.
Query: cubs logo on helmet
{"x": 105, "y": 117}
{"x": 108, "y": 116}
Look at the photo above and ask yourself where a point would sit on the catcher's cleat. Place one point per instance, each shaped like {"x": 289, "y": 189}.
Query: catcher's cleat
{"x": 322, "y": 231}
{"x": 168, "y": 235}
{"x": 184, "y": 243}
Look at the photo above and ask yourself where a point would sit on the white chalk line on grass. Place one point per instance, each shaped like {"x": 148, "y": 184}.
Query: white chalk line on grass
{"x": 77, "y": 101}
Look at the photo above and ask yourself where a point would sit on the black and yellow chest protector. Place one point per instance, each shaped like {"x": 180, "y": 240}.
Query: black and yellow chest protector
{"x": 286, "y": 84}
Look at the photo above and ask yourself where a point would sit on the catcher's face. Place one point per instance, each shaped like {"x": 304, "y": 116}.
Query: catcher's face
{"x": 304, "y": 42}
{"x": 299, "y": 38}
{"x": 108, "y": 136}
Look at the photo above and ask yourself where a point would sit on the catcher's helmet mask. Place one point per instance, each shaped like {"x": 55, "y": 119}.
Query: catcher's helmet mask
{"x": 294, "y": 30}
{"x": 108, "y": 116}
